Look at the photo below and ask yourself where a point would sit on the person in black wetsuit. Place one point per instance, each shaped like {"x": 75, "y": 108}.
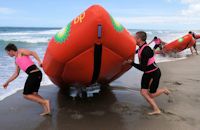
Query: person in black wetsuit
{"x": 152, "y": 73}
{"x": 195, "y": 36}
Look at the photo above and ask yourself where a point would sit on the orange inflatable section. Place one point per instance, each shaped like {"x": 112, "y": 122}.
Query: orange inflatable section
{"x": 179, "y": 44}
{"x": 91, "y": 48}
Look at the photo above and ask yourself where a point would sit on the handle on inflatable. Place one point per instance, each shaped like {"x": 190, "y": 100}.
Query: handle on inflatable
{"x": 99, "y": 31}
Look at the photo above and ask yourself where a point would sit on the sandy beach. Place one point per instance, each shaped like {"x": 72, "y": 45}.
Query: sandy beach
{"x": 116, "y": 107}
{"x": 89, "y": 42}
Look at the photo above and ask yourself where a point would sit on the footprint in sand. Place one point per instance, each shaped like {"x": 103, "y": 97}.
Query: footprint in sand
{"x": 123, "y": 108}
{"x": 97, "y": 113}
{"x": 196, "y": 80}
{"x": 172, "y": 116}
{"x": 171, "y": 96}
{"x": 13, "y": 109}
{"x": 173, "y": 82}
{"x": 177, "y": 83}
{"x": 76, "y": 116}
{"x": 170, "y": 100}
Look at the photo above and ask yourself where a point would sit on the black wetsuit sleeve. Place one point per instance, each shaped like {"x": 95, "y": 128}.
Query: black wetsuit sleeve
{"x": 136, "y": 51}
{"x": 147, "y": 53}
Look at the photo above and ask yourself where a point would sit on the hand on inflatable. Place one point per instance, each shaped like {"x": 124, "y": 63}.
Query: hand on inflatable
{"x": 129, "y": 61}
{"x": 40, "y": 64}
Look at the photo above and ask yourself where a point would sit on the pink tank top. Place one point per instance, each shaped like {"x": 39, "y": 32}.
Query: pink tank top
{"x": 157, "y": 41}
{"x": 24, "y": 62}
{"x": 150, "y": 61}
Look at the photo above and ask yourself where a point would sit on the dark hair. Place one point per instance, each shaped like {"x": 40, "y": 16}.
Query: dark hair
{"x": 10, "y": 47}
{"x": 142, "y": 35}
{"x": 155, "y": 38}
{"x": 190, "y": 32}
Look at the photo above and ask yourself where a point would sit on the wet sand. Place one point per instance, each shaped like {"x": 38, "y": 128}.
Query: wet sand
{"x": 119, "y": 107}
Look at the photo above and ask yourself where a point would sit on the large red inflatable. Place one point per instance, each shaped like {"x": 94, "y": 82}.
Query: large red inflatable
{"x": 180, "y": 44}
{"x": 91, "y": 48}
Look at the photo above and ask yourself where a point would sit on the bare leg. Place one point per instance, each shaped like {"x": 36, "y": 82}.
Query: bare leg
{"x": 159, "y": 92}
{"x": 46, "y": 107}
{"x": 196, "y": 51}
{"x": 39, "y": 100}
{"x": 151, "y": 101}
{"x": 48, "y": 112}
{"x": 191, "y": 50}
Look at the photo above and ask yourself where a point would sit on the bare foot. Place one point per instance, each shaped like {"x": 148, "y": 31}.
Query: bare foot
{"x": 44, "y": 107}
{"x": 167, "y": 92}
{"x": 45, "y": 113}
{"x": 47, "y": 104}
{"x": 47, "y": 109}
{"x": 157, "y": 112}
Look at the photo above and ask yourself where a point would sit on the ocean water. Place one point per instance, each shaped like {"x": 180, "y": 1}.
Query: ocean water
{"x": 36, "y": 39}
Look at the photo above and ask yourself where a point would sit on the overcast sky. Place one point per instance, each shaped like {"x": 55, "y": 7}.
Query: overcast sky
{"x": 134, "y": 14}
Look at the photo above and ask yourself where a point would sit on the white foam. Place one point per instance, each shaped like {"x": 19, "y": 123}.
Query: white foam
{"x": 12, "y": 90}
{"x": 28, "y": 39}
{"x": 28, "y": 36}
{"x": 170, "y": 59}
{"x": 9, "y": 93}
{"x": 49, "y": 32}
{"x": 34, "y": 40}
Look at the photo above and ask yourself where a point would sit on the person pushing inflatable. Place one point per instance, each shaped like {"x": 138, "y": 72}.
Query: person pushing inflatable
{"x": 151, "y": 76}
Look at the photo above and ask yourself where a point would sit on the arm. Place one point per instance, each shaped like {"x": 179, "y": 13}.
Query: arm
{"x": 146, "y": 54}
{"x": 13, "y": 77}
{"x": 150, "y": 42}
{"x": 32, "y": 53}
{"x": 129, "y": 61}
{"x": 164, "y": 43}
{"x": 142, "y": 66}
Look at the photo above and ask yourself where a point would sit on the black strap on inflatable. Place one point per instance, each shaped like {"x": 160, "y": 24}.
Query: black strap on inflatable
{"x": 97, "y": 57}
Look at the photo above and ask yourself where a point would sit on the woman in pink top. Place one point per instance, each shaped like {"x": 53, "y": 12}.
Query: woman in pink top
{"x": 158, "y": 43}
{"x": 32, "y": 84}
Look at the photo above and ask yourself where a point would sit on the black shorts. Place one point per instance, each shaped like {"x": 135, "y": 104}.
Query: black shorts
{"x": 32, "y": 83}
{"x": 146, "y": 78}
{"x": 156, "y": 46}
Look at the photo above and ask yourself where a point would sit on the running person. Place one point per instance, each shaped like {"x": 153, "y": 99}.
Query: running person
{"x": 151, "y": 77}
{"x": 158, "y": 43}
{"x": 195, "y": 36}
{"x": 32, "y": 84}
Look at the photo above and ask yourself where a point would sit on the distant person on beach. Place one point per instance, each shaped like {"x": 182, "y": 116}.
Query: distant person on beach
{"x": 32, "y": 84}
{"x": 151, "y": 77}
{"x": 195, "y": 36}
{"x": 158, "y": 43}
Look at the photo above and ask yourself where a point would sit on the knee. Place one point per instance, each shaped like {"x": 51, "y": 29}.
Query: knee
{"x": 26, "y": 96}
{"x": 143, "y": 92}
{"x": 151, "y": 95}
